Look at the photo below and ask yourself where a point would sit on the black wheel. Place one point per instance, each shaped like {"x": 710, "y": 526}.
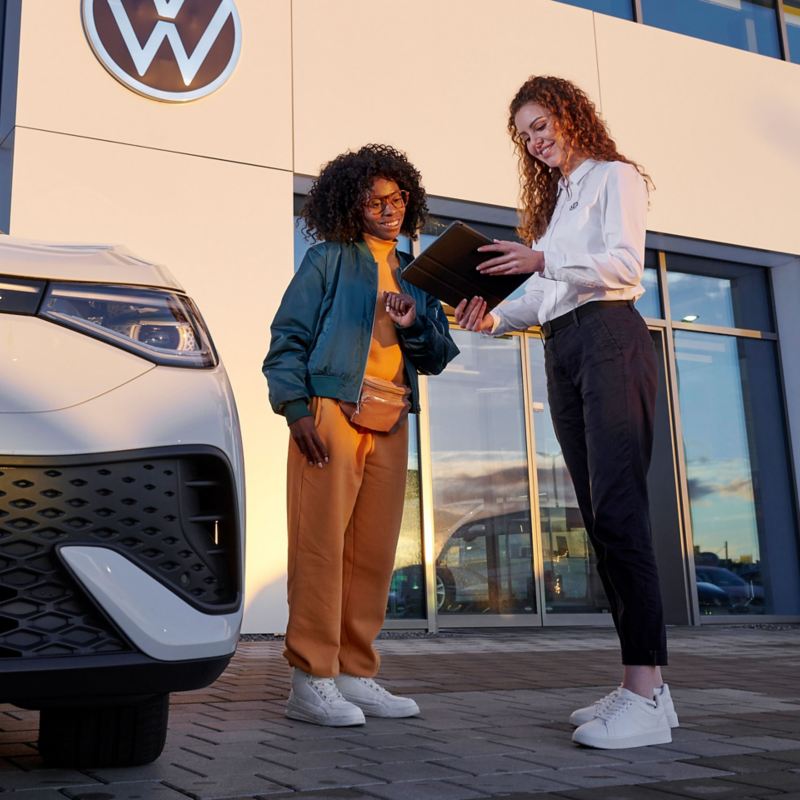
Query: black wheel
{"x": 445, "y": 590}
{"x": 120, "y": 735}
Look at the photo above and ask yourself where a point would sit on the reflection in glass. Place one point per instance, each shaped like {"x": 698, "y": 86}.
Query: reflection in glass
{"x": 747, "y": 24}
{"x": 407, "y": 589}
{"x": 480, "y": 481}
{"x": 700, "y": 298}
{"x": 710, "y": 292}
{"x": 616, "y": 8}
{"x": 649, "y": 304}
{"x": 737, "y": 474}
{"x": 571, "y": 583}
{"x": 791, "y": 13}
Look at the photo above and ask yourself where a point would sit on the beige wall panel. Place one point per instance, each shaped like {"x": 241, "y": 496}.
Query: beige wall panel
{"x": 225, "y": 231}
{"x": 434, "y": 80}
{"x": 248, "y": 119}
{"x": 716, "y": 127}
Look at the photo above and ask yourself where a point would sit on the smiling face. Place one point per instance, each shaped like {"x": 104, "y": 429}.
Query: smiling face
{"x": 384, "y": 210}
{"x": 539, "y": 131}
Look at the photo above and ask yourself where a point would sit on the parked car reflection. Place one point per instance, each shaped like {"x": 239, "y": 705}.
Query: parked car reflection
{"x": 742, "y": 595}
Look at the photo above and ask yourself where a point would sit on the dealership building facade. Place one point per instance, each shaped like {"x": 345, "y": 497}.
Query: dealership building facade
{"x": 190, "y": 131}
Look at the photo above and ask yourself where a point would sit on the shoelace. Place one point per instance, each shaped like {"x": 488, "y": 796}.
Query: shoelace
{"x": 605, "y": 702}
{"x": 326, "y": 688}
{"x": 373, "y": 686}
{"x": 614, "y": 709}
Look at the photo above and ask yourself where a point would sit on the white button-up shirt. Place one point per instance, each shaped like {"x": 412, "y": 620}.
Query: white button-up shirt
{"x": 593, "y": 247}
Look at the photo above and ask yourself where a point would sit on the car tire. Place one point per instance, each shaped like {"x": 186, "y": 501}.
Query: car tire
{"x": 120, "y": 735}
{"x": 445, "y": 590}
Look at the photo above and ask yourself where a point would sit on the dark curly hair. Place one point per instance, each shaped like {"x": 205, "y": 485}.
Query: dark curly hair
{"x": 334, "y": 210}
{"x": 583, "y": 129}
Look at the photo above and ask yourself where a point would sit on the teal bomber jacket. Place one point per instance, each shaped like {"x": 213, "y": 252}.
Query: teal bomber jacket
{"x": 322, "y": 331}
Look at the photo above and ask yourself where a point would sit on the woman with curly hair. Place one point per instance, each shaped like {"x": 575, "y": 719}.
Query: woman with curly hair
{"x": 584, "y": 208}
{"x": 348, "y": 340}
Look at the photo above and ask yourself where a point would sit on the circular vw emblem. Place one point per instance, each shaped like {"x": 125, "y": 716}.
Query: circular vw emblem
{"x": 173, "y": 50}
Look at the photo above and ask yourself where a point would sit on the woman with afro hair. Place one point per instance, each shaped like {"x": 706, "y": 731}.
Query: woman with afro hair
{"x": 583, "y": 219}
{"x": 348, "y": 341}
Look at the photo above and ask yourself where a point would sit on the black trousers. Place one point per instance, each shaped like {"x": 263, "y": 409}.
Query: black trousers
{"x": 601, "y": 385}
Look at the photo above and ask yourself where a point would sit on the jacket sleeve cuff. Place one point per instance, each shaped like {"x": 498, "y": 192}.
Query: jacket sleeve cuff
{"x": 295, "y": 409}
{"x": 416, "y": 328}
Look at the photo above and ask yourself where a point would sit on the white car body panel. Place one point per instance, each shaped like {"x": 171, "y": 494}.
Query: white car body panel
{"x": 101, "y": 263}
{"x": 47, "y": 367}
{"x": 159, "y": 623}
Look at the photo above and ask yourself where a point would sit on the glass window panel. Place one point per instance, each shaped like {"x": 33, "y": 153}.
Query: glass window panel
{"x": 718, "y": 293}
{"x": 616, "y": 8}
{"x": 407, "y": 589}
{"x": 747, "y": 24}
{"x": 480, "y": 481}
{"x": 791, "y": 13}
{"x": 571, "y": 583}
{"x": 745, "y": 543}
{"x": 649, "y": 304}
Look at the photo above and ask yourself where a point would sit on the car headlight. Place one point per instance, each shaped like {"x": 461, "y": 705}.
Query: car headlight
{"x": 156, "y": 324}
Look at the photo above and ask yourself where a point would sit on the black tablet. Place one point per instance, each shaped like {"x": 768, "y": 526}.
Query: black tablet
{"x": 447, "y": 269}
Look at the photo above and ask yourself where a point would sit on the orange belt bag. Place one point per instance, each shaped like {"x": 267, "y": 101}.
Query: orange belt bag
{"x": 381, "y": 406}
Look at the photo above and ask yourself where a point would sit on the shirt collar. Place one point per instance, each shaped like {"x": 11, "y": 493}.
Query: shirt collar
{"x": 574, "y": 178}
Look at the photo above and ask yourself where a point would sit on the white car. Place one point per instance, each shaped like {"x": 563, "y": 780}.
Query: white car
{"x": 121, "y": 500}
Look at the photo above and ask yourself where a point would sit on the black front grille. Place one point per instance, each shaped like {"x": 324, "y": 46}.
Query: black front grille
{"x": 173, "y": 514}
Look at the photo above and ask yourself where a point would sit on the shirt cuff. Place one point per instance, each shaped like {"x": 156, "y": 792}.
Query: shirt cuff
{"x": 552, "y": 263}
{"x": 497, "y": 323}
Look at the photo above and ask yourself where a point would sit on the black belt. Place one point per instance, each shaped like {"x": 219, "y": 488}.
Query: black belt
{"x": 577, "y": 314}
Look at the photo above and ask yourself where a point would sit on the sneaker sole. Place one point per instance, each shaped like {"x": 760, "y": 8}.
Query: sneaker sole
{"x": 385, "y": 713}
{"x": 642, "y": 740}
{"x": 304, "y": 714}
{"x": 576, "y": 722}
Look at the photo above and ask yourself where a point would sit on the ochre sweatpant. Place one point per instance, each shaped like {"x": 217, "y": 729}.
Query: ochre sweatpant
{"x": 344, "y": 520}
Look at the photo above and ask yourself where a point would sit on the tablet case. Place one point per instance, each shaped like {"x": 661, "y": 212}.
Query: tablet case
{"x": 447, "y": 269}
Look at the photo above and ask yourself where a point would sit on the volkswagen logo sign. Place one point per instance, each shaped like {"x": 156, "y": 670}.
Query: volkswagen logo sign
{"x": 172, "y": 50}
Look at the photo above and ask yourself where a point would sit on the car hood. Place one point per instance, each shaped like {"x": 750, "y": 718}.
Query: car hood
{"x": 92, "y": 263}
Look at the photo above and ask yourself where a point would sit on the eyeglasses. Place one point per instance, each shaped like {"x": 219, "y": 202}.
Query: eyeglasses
{"x": 376, "y": 205}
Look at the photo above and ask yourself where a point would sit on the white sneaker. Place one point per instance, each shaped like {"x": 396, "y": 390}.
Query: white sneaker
{"x": 319, "y": 700}
{"x": 629, "y": 720}
{"x": 586, "y": 713}
{"x": 373, "y": 699}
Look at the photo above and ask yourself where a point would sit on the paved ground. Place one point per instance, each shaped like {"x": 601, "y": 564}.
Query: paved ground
{"x": 493, "y": 724}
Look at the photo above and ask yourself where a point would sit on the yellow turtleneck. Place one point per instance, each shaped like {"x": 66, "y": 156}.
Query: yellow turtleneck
{"x": 385, "y": 358}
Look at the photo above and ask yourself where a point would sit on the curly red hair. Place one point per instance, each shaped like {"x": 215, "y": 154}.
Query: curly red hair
{"x": 577, "y": 119}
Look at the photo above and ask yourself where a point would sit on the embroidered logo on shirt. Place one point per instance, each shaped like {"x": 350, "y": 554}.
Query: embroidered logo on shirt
{"x": 573, "y": 206}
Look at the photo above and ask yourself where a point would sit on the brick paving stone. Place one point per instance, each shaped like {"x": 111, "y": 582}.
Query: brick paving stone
{"x": 650, "y": 791}
{"x": 325, "y": 758}
{"x": 767, "y": 742}
{"x": 673, "y": 770}
{"x": 424, "y": 790}
{"x": 785, "y": 781}
{"x": 488, "y": 765}
{"x": 136, "y": 790}
{"x": 11, "y": 781}
{"x": 325, "y": 794}
{"x": 492, "y": 785}
{"x": 411, "y": 771}
{"x": 712, "y": 789}
{"x": 759, "y": 762}
{"x": 317, "y": 777}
